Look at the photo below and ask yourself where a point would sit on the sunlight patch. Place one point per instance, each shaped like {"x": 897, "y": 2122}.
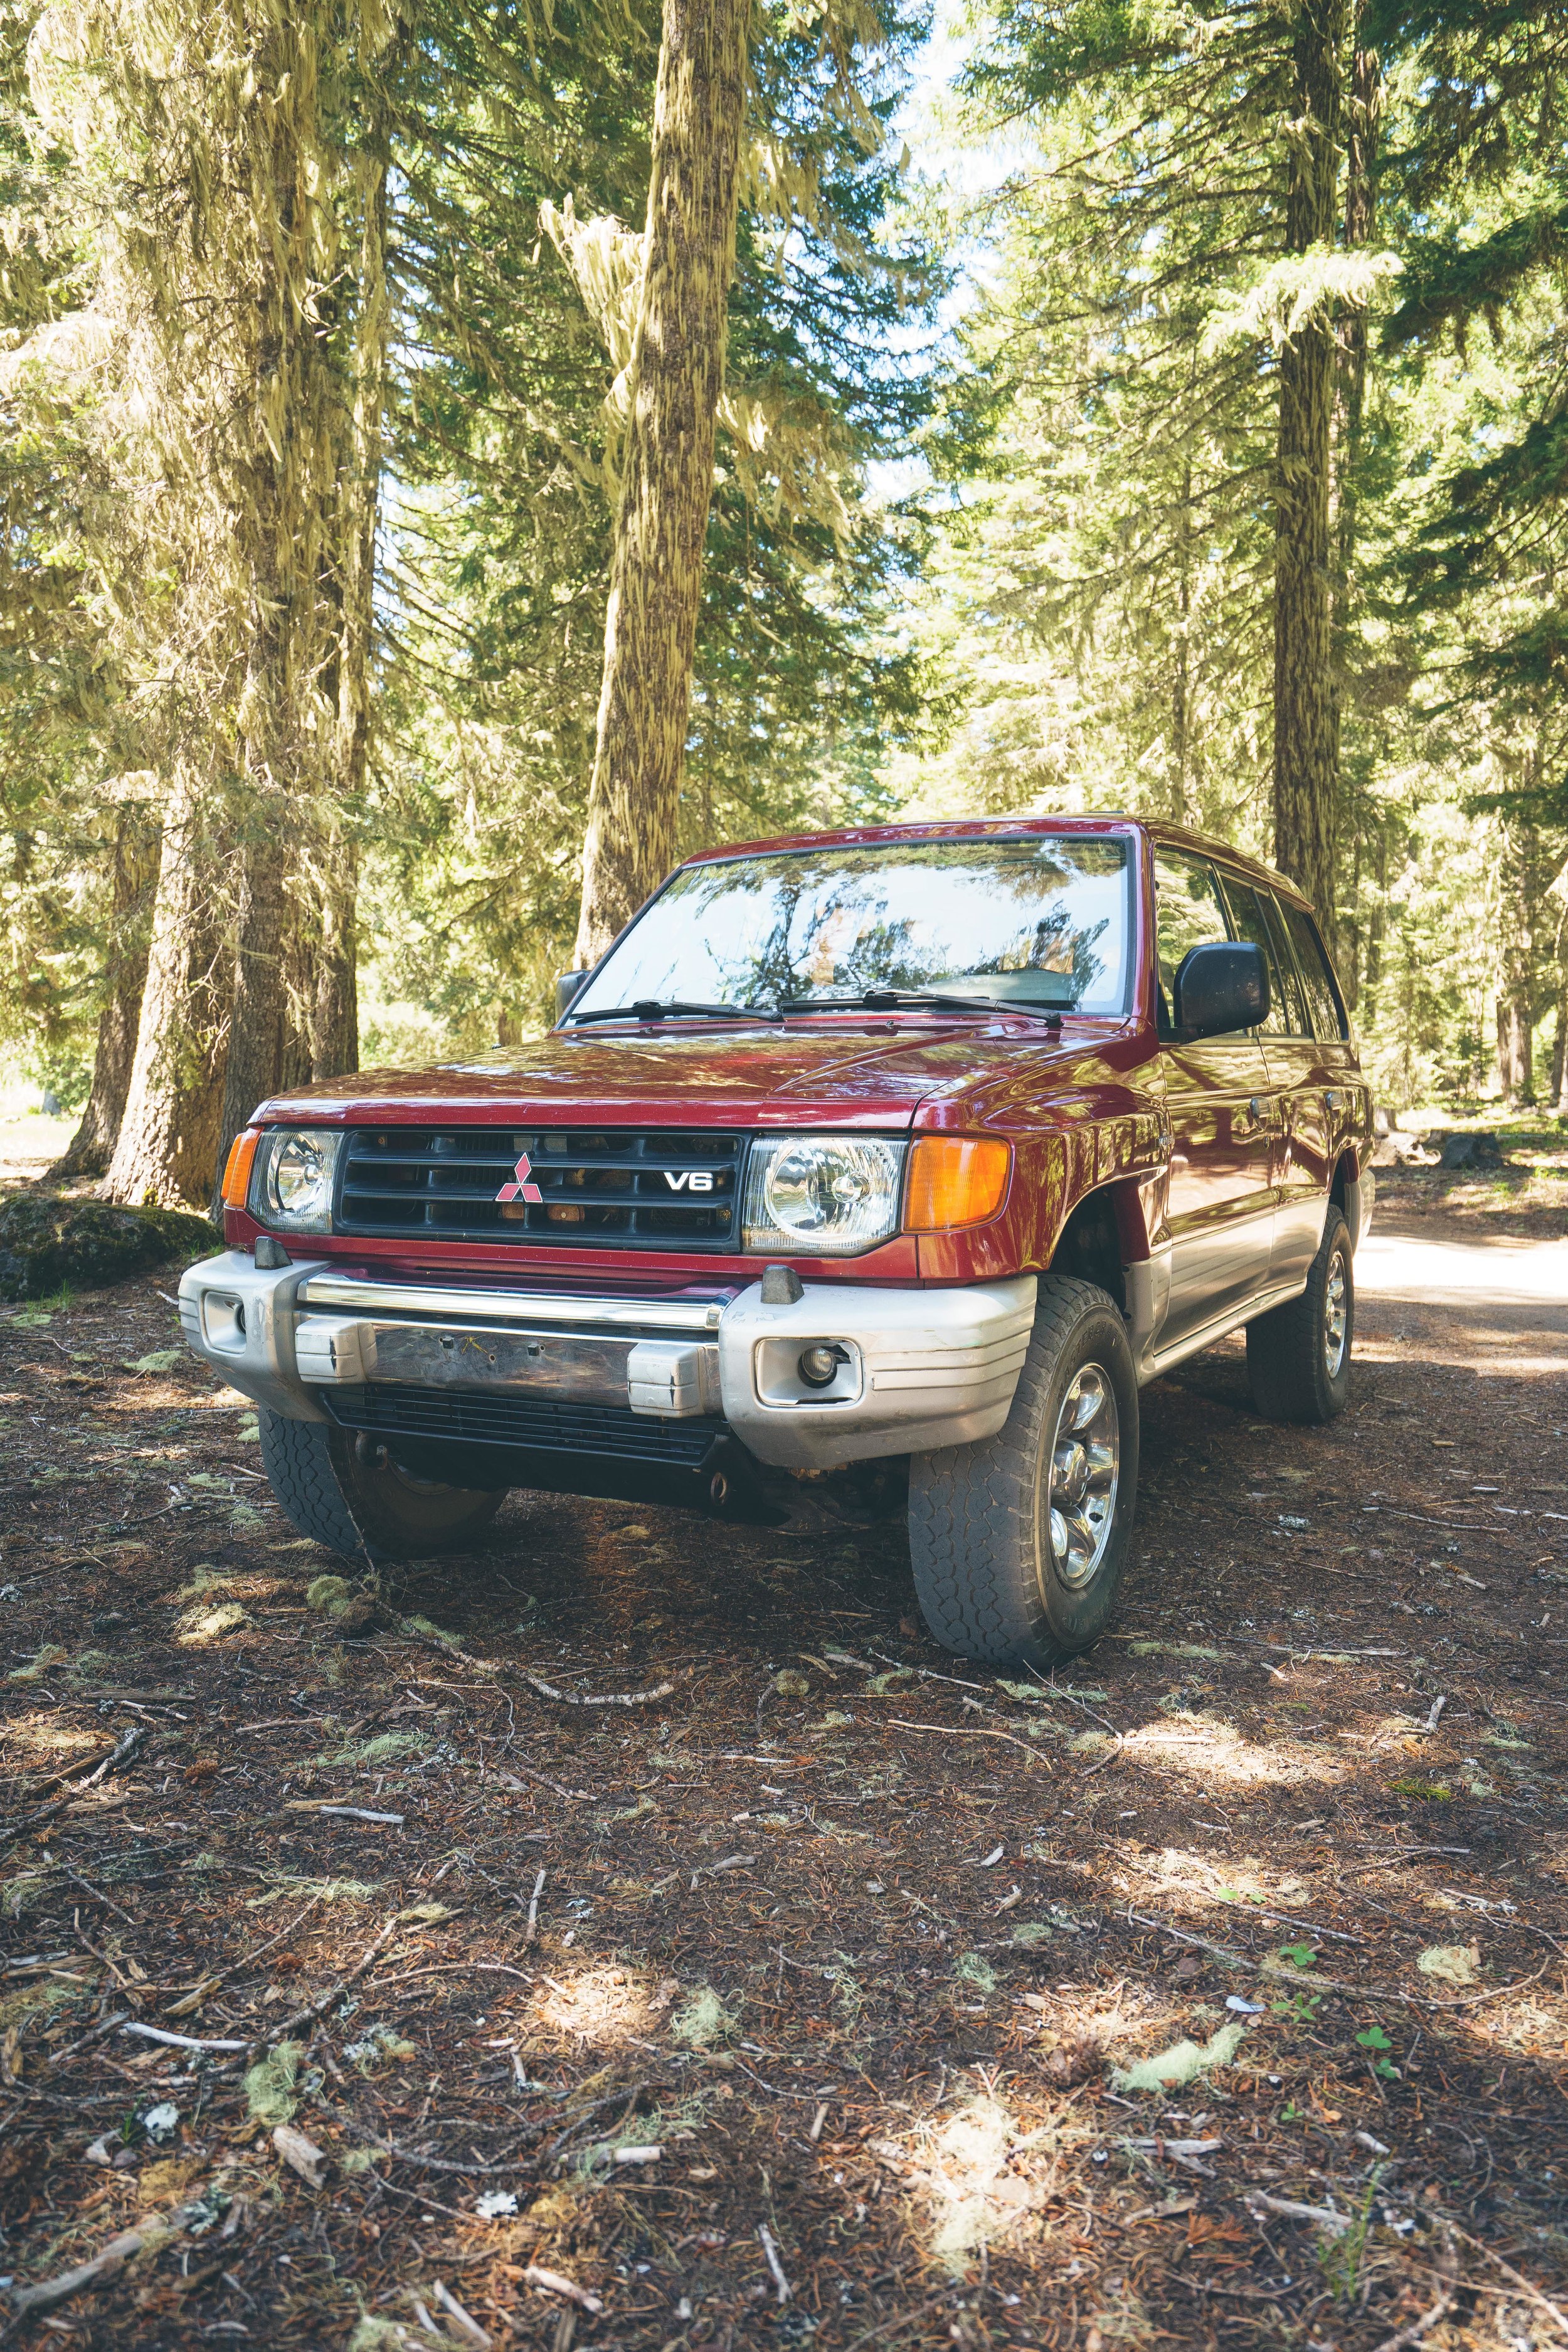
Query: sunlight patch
{"x": 981, "y": 2178}
{"x": 603, "y": 2004}
{"x": 1210, "y": 1751}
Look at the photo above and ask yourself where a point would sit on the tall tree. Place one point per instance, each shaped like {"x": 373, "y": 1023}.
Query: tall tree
{"x": 1306, "y": 745}
{"x": 675, "y": 378}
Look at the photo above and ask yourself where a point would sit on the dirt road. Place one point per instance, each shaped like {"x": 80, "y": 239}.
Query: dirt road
{"x": 870, "y": 1947}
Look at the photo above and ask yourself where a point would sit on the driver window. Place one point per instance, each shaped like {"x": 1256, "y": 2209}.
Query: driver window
{"x": 1252, "y": 923}
{"x": 1188, "y": 913}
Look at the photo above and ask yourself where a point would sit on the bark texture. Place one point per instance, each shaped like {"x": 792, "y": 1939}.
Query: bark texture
{"x": 168, "y": 1135}
{"x": 1306, "y": 744}
{"x": 667, "y": 483}
{"x": 1518, "y": 895}
{"x": 334, "y": 1026}
{"x": 91, "y": 1148}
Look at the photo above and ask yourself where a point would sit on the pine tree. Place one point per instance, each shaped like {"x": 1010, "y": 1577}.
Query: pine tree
{"x": 675, "y": 378}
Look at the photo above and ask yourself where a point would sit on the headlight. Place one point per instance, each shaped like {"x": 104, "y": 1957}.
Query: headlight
{"x": 292, "y": 1186}
{"x": 823, "y": 1194}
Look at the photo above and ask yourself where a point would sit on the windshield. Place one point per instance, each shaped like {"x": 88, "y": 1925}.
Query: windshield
{"x": 1041, "y": 923}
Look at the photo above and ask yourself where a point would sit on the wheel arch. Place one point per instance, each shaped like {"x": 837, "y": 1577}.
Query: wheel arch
{"x": 1103, "y": 1233}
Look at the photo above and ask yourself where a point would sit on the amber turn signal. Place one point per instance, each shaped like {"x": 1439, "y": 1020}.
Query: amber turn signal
{"x": 955, "y": 1180}
{"x": 237, "y": 1173}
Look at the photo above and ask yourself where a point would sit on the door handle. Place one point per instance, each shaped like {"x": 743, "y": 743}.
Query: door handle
{"x": 1333, "y": 1098}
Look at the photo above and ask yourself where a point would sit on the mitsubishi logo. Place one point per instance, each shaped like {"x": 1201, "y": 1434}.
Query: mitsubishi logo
{"x": 520, "y": 1188}
{"x": 689, "y": 1180}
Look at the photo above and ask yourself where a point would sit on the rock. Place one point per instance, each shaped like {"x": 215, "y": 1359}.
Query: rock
{"x": 1479, "y": 1150}
{"x": 48, "y": 1241}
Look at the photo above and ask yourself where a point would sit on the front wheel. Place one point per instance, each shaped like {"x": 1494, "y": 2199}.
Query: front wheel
{"x": 1019, "y": 1543}
{"x": 342, "y": 1489}
{"x": 1299, "y": 1355}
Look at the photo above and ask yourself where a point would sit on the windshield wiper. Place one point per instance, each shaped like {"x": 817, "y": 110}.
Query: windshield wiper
{"x": 893, "y": 1000}
{"x": 649, "y": 1008}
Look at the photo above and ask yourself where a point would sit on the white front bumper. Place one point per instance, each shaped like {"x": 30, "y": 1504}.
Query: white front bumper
{"x": 918, "y": 1370}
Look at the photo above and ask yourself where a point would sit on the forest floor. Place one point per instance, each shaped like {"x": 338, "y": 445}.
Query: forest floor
{"x": 807, "y": 2003}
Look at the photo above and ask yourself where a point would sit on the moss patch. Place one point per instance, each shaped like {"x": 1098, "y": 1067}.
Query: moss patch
{"x": 269, "y": 2086}
{"x": 47, "y": 1242}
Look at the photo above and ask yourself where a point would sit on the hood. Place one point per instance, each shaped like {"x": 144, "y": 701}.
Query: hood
{"x": 873, "y": 1071}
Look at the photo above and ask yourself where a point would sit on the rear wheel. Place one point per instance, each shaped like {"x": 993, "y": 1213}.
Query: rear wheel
{"x": 1299, "y": 1355}
{"x": 341, "y": 1488}
{"x": 1019, "y": 1543}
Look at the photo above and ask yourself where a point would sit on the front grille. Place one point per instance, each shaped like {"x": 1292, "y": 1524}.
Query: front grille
{"x": 536, "y": 1425}
{"x": 620, "y": 1187}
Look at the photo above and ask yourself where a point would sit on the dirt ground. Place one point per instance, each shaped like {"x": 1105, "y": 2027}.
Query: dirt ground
{"x": 1216, "y": 1989}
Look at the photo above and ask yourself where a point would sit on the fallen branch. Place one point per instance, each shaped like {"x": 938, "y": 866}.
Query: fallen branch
{"x": 607, "y": 1699}
{"x": 192, "y": 1999}
{"x": 532, "y": 1927}
{"x": 75, "y": 1787}
{"x": 105, "y": 2265}
{"x": 316, "y": 2009}
{"x": 1524, "y": 2285}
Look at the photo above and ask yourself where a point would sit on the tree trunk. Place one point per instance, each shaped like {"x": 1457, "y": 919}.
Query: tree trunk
{"x": 1181, "y": 684}
{"x": 1306, "y": 745}
{"x": 1516, "y": 972}
{"x": 1560, "y": 1048}
{"x": 666, "y": 486}
{"x": 286, "y": 471}
{"x": 91, "y": 1148}
{"x": 168, "y": 1134}
{"x": 334, "y": 1037}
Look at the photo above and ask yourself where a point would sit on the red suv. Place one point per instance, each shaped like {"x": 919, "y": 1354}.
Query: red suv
{"x": 916, "y": 1146}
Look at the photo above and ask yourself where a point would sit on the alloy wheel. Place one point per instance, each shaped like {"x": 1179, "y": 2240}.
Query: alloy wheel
{"x": 1336, "y": 1315}
{"x": 1085, "y": 1469}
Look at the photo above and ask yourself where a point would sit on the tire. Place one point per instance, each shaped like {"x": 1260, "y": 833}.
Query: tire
{"x": 987, "y": 1571}
{"x": 1299, "y": 1355}
{"x": 344, "y": 1491}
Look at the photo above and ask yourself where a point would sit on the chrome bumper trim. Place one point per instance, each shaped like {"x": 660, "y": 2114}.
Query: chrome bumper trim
{"x": 406, "y": 1299}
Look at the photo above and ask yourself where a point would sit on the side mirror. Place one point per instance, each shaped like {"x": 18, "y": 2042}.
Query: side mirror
{"x": 1221, "y": 987}
{"x": 567, "y": 984}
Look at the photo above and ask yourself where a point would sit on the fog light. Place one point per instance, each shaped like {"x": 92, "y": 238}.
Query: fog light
{"x": 818, "y": 1367}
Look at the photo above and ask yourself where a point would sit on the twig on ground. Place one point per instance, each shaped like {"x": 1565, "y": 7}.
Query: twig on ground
{"x": 132, "y": 1738}
{"x": 605, "y": 1698}
{"x": 192, "y": 2001}
{"x": 106, "y": 2264}
{"x": 532, "y": 1927}
{"x": 572, "y": 1796}
{"x": 781, "y": 2283}
{"x": 464, "y": 2321}
{"x": 1525, "y": 2287}
{"x": 312, "y": 2013}
{"x": 180, "y": 2041}
{"x": 554, "y": 2283}
{"x": 969, "y": 1731}
{"x": 1417, "y": 2328}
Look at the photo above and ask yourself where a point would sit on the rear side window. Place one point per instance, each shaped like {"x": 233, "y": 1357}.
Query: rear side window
{"x": 1250, "y": 918}
{"x": 1316, "y": 977}
{"x": 1188, "y": 913}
